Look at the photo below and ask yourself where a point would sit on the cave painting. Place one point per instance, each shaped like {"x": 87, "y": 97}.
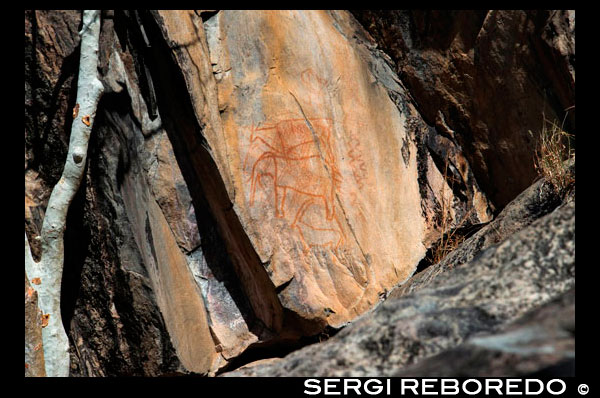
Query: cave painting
{"x": 293, "y": 159}
{"x": 292, "y": 173}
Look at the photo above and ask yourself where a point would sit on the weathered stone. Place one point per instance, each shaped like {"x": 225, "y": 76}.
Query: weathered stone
{"x": 257, "y": 177}
{"x": 112, "y": 299}
{"x": 171, "y": 192}
{"x": 541, "y": 342}
{"x": 235, "y": 321}
{"x": 114, "y": 286}
{"x": 503, "y": 283}
{"x": 485, "y": 78}
{"x": 177, "y": 295}
{"x": 51, "y": 63}
{"x": 164, "y": 264}
{"x": 326, "y": 189}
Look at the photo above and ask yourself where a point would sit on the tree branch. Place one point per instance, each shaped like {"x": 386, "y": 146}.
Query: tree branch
{"x": 49, "y": 269}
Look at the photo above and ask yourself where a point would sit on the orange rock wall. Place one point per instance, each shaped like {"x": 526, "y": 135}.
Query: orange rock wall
{"x": 308, "y": 144}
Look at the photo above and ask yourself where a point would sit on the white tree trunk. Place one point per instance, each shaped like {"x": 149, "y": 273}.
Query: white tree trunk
{"x": 46, "y": 274}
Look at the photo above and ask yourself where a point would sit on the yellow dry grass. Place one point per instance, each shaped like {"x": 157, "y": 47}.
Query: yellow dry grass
{"x": 555, "y": 147}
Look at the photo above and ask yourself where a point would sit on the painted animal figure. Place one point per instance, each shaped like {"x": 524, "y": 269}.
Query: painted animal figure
{"x": 297, "y": 157}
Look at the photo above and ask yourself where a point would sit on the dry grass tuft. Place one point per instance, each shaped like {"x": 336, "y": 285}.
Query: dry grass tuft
{"x": 555, "y": 147}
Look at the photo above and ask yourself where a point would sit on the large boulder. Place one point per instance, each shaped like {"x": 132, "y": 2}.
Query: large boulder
{"x": 324, "y": 164}
{"x": 541, "y": 343}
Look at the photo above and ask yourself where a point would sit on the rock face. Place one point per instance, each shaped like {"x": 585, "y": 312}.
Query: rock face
{"x": 258, "y": 178}
{"x": 471, "y": 303}
{"x": 485, "y": 78}
{"x": 115, "y": 308}
{"x": 536, "y": 201}
{"x": 326, "y": 190}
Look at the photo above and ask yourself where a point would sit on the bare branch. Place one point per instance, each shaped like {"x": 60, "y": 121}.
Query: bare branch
{"x": 49, "y": 269}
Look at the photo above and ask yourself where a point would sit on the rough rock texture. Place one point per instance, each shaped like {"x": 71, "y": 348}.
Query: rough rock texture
{"x": 255, "y": 178}
{"x": 500, "y": 285}
{"x": 541, "y": 343}
{"x": 484, "y": 78}
{"x": 537, "y": 200}
{"x": 50, "y": 66}
{"x": 110, "y": 300}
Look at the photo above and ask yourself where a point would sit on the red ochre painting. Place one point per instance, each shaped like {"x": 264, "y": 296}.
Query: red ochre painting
{"x": 292, "y": 160}
{"x": 290, "y": 164}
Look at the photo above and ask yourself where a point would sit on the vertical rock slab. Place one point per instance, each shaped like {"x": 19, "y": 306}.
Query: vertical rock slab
{"x": 320, "y": 187}
{"x": 242, "y": 303}
{"x": 315, "y": 143}
{"x": 158, "y": 206}
{"x": 131, "y": 305}
{"x": 271, "y": 179}
{"x": 178, "y": 296}
{"x": 170, "y": 191}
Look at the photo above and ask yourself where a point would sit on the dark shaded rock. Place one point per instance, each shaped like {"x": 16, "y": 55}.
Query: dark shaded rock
{"x": 114, "y": 322}
{"x": 500, "y": 285}
{"x": 171, "y": 267}
{"x": 108, "y": 303}
{"x": 485, "y": 78}
{"x": 51, "y": 64}
{"x": 161, "y": 325}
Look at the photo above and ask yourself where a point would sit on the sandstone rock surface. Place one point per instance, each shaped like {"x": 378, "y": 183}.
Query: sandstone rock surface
{"x": 326, "y": 189}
